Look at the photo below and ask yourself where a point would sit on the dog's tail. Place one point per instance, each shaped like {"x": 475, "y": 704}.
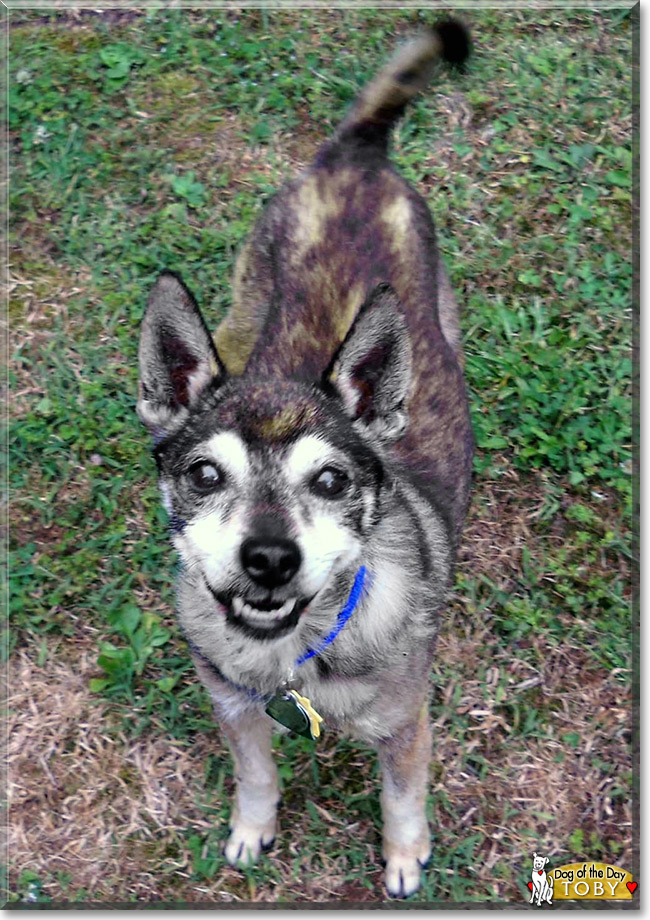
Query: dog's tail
{"x": 383, "y": 101}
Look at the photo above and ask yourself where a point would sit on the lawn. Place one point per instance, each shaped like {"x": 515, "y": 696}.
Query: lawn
{"x": 149, "y": 139}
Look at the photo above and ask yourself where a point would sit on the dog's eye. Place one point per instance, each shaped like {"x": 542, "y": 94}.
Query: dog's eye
{"x": 205, "y": 477}
{"x": 330, "y": 482}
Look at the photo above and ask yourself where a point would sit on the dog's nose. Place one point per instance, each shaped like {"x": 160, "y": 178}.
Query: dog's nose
{"x": 270, "y": 561}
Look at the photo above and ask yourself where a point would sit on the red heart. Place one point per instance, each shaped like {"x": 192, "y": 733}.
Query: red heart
{"x": 539, "y": 871}
{"x": 530, "y": 885}
{"x": 632, "y": 886}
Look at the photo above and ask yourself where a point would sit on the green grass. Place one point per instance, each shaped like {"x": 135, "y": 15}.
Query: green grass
{"x": 152, "y": 140}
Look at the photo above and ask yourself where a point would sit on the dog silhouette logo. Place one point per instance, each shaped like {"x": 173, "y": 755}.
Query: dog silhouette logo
{"x": 541, "y": 884}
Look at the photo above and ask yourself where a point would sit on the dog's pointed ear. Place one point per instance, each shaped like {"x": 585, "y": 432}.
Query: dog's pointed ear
{"x": 177, "y": 357}
{"x": 371, "y": 371}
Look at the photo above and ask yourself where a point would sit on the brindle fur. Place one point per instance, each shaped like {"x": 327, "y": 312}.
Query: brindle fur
{"x": 326, "y": 240}
{"x": 340, "y": 278}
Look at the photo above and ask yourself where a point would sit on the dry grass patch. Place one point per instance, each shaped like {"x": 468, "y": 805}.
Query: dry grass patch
{"x": 40, "y": 311}
{"x": 84, "y": 801}
{"x": 559, "y": 787}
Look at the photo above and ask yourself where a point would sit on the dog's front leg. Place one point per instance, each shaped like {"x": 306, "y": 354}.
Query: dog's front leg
{"x": 404, "y": 760}
{"x": 253, "y": 817}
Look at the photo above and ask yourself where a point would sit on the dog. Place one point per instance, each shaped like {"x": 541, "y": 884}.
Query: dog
{"x": 315, "y": 462}
{"x": 542, "y": 883}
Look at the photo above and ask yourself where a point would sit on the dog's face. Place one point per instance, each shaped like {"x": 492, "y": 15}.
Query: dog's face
{"x": 539, "y": 861}
{"x": 272, "y": 486}
{"x": 270, "y": 496}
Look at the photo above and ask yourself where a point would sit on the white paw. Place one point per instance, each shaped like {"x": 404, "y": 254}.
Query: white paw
{"x": 403, "y": 869}
{"x": 247, "y": 841}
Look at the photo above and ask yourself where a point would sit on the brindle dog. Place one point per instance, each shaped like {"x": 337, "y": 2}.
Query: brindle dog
{"x": 315, "y": 465}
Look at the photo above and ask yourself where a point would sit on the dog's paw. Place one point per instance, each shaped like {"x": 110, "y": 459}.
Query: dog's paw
{"x": 403, "y": 869}
{"x": 246, "y": 842}
{"x": 402, "y": 876}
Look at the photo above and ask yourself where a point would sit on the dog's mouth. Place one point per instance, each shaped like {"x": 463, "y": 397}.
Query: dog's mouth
{"x": 265, "y": 618}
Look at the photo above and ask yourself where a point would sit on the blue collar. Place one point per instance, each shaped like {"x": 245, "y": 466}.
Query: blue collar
{"x": 353, "y": 599}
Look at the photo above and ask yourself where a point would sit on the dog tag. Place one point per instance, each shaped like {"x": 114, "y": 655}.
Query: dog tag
{"x": 306, "y": 706}
{"x": 295, "y": 712}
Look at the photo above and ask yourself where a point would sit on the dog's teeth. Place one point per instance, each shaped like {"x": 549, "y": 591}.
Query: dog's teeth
{"x": 241, "y": 608}
{"x": 285, "y": 609}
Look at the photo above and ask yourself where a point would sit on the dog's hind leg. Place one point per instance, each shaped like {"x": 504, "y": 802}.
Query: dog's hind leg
{"x": 253, "y": 818}
{"x": 404, "y": 760}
